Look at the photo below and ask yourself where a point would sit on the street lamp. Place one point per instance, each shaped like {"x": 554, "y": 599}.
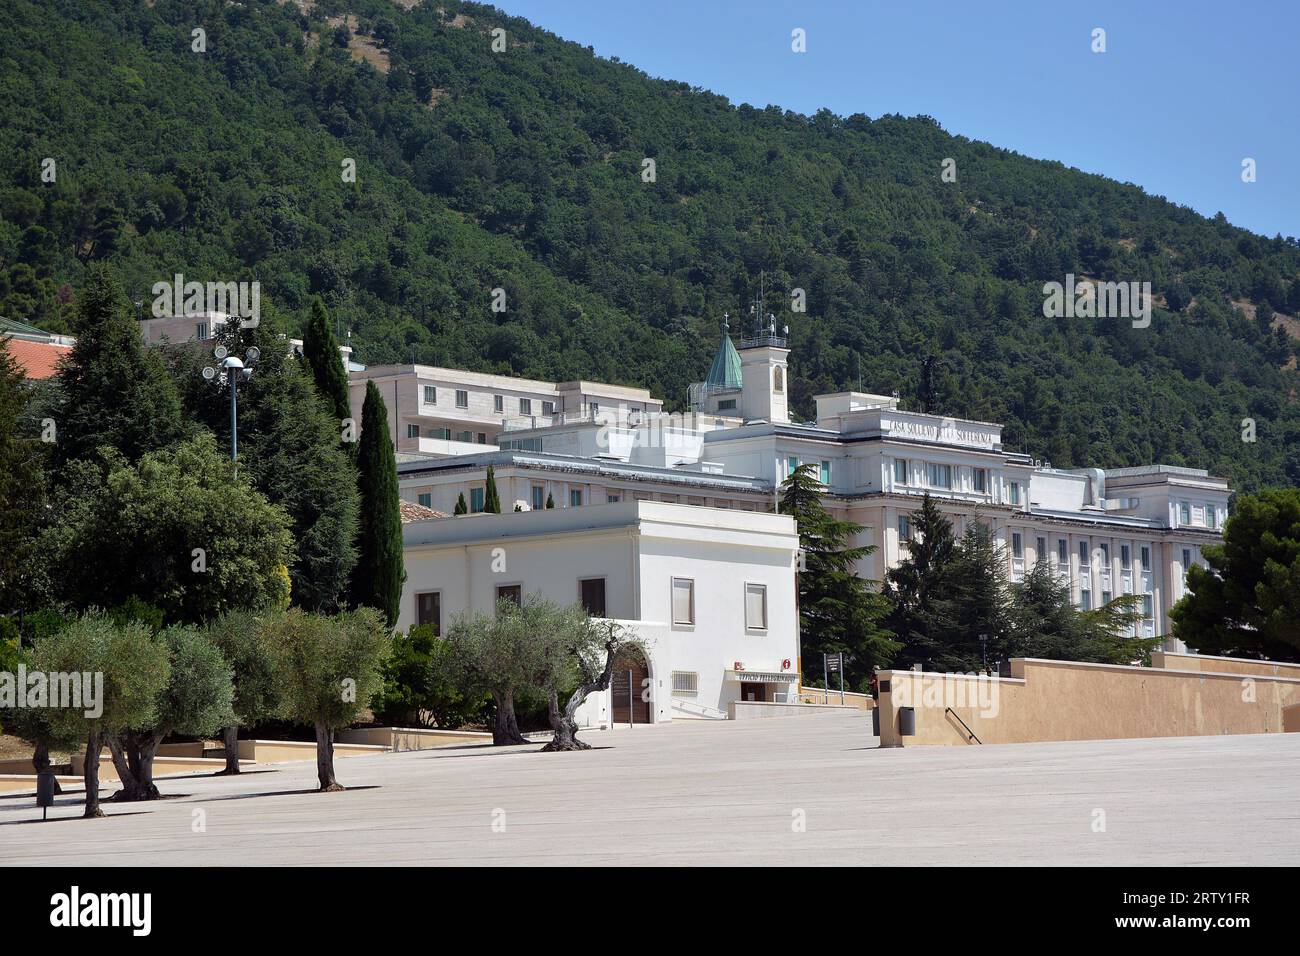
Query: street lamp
{"x": 232, "y": 369}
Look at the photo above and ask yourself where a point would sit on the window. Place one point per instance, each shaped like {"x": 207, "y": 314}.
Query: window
{"x": 1041, "y": 553}
{"x": 575, "y": 497}
{"x": 1187, "y": 559}
{"x": 613, "y": 498}
{"x": 1146, "y": 558}
{"x": 482, "y": 438}
{"x": 1211, "y": 516}
{"x": 756, "y": 607}
{"x": 465, "y": 436}
{"x": 498, "y": 403}
{"x": 979, "y": 479}
{"x": 595, "y": 409}
{"x": 525, "y": 406}
{"x": 412, "y": 431}
{"x": 428, "y": 610}
{"x": 539, "y": 497}
{"x": 1184, "y": 512}
{"x": 904, "y": 528}
{"x": 686, "y": 683}
{"x": 592, "y": 593}
{"x": 476, "y": 500}
{"x": 727, "y": 405}
{"x": 1085, "y": 600}
{"x": 778, "y": 380}
{"x": 826, "y": 473}
{"x": 1125, "y": 557}
{"x": 462, "y": 398}
{"x": 425, "y": 499}
{"x": 792, "y": 464}
{"x": 1148, "y": 610}
{"x": 900, "y": 471}
{"x": 201, "y": 331}
{"x": 1013, "y": 492}
{"x": 1017, "y": 545}
{"x": 683, "y": 601}
{"x": 431, "y": 394}
{"x": 1085, "y": 555}
{"x": 511, "y": 592}
{"x": 1105, "y": 556}
{"x": 1062, "y": 552}
{"x": 1105, "y": 598}
{"x": 940, "y": 476}
{"x": 548, "y": 408}
{"x": 443, "y": 433}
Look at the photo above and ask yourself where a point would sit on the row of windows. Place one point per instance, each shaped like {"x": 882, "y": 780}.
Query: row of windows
{"x": 940, "y": 476}
{"x": 792, "y": 464}
{"x": 1211, "y": 514}
{"x": 498, "y": 401}
{"x": 591, "y": 592}
{"x": 413, "y": 431}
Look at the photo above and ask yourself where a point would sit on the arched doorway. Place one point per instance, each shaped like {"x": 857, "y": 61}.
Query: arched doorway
{"x": 629, "y": 688}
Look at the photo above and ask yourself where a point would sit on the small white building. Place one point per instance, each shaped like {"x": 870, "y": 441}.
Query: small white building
{"x": 710, "y": 593}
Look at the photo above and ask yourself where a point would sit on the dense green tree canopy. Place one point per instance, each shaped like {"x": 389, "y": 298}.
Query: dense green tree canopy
{"x": 1245, "y": 602}
{"x": 521, "y": 172}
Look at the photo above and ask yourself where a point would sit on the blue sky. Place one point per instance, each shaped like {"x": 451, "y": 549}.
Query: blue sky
{"x": 1184, "y": 92}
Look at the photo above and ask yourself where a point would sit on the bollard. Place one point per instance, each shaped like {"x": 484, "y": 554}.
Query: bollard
{"x": 45, "y": 788}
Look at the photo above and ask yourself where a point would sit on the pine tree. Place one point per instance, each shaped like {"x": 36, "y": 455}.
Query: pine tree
{"x": 115, "y": 391}
{"x": 461, "y": 508}
{"x": 838, "y": 612}
{"x": 550, "y": 502}
{"x": 320, "y": 348}
{"x": 491, "y": 503}
{"x": 923, "y": 590}
{"x": 379, "y": 574}
{"x": 289, "y": 446}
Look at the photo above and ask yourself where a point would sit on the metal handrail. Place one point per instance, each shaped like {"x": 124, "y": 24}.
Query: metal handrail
{"x": 949, "y": 710}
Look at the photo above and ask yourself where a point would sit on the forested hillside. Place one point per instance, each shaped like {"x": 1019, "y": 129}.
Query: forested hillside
{"x": 523, "y": 170}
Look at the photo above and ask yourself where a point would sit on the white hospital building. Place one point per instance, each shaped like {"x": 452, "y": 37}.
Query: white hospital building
{"x": 584, "y": 446}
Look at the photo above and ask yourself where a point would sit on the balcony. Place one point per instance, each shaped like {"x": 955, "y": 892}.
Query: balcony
{"x": 449, "y": 448}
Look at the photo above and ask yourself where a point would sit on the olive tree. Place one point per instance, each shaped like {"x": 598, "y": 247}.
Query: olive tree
{"x": 195, "y": 701}
{"x": 130, "y": 669}
{"x": 580, "y": 651}
{"x": 497, "y": 655}
{"x": 327, "y": 670}
{"x": 241, "y": 639}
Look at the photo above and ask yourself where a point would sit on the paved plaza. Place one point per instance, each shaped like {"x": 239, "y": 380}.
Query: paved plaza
{"x": 795, "y": 791}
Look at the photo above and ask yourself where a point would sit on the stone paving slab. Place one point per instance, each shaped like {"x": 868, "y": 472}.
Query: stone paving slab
{"x": 694, "y": 793}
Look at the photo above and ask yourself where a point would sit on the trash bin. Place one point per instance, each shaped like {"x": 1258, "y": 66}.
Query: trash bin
{"x": 906, "y": 722}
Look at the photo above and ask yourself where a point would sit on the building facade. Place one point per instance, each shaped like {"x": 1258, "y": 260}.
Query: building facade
{"x": 1107, "y": 532}
{"x": 708, "y": 595}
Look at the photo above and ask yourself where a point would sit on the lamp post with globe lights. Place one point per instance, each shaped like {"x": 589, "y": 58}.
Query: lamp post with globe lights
{"x": 231, "y": 370}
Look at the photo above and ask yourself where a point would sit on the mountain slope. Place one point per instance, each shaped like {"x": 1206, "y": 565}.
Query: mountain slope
{"x": 522, "y": 170}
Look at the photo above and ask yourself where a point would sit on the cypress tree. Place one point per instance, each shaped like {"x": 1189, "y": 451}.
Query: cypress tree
{"x": 491, "y": 502}
{"x": 22, "y": 492}
{"x": 115, "y": 391}
{"x": 461, "y": 508}
{"x": 550, "y": 502}
{"x": 379, "y": 574}
{"x": 320, "y": 348}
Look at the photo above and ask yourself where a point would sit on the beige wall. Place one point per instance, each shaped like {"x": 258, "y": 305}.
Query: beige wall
{"x": 1224, "y": 665}
{"x": 1059, "y": 700}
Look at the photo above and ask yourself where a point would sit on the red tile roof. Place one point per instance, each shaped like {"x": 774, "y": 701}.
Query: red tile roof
{"x": 38, "y": 359}
{"x": 413, "y": 512}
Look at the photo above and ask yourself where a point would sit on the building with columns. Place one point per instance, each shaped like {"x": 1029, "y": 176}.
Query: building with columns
{"x": 1107, "y": 532}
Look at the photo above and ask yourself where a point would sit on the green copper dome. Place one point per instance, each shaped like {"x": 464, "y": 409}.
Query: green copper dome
{"x": 724, "y": 373}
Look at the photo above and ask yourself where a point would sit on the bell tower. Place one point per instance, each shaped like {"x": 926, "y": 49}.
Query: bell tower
{"x": 764, "y": 368}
